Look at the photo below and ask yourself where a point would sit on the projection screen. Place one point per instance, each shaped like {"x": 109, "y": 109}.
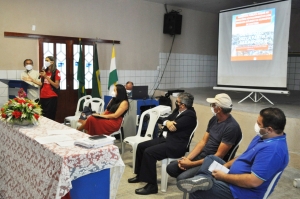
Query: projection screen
{"x": 253, "y": 46}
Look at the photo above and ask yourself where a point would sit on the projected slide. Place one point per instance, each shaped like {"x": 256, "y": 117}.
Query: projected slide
{"x": 253, "y": 35}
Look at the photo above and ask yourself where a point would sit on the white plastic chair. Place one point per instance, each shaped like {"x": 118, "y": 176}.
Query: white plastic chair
{"x": 135, "y": 140}
{"x": 97, "y": 105}
{"x": 69, "y": 119}
{"x": 119, "y": 132}
{"x": 166, "y": 161}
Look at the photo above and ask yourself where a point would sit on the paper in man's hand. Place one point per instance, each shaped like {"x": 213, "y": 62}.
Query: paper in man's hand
{"x": 217, "y": 166}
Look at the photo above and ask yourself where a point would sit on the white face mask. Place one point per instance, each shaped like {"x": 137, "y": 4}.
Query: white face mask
{"x": 257, "y": 130}
{"x": 213, "y": 111}
{"x": 113, "y": 94}
{"x": 46, "y": 64}
{"x": 28, "y": 67}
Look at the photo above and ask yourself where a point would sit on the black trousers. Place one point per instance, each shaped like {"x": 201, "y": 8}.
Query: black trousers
{"x": 147, "y": 154}
{"x": 49, "y": 106}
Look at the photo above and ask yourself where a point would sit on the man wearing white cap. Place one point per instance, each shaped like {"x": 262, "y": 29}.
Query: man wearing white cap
{"x": 222, "y": 134}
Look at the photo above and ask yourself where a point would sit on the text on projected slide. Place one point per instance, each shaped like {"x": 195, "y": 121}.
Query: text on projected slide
{"x": 253, "y": 35}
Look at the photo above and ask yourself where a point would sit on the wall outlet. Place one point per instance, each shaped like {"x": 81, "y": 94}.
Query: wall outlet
{"x": 33, "y": 27}
{"x": 158, "y": 67}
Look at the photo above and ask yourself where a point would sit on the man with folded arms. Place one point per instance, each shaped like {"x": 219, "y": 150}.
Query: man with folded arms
{"x": 250, "y": 174}
{"x": 31, "y": 77}
{"x": 178, "y": 126}
{"x": 222, "y": 134}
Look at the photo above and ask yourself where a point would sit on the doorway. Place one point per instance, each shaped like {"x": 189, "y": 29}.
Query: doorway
{"x": 66, "y": 54}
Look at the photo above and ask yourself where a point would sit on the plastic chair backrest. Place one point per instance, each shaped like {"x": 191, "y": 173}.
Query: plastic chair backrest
{"x": 231, "y": 156}
{"x": 191, "y": 137}
{"x": 84, "y": 99}
{"x": 97, "y": 104}
{"x": 154, "y": 115}
{"x": 271, "y": 185}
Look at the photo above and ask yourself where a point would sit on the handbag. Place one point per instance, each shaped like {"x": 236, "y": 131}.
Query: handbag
{"x": 87, "y": 111}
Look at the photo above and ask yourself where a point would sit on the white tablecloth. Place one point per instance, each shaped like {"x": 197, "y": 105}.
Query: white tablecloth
{"x": 29, "y": 169}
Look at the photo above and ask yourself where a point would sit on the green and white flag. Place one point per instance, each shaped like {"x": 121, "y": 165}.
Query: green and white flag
{"x": 113, "y": 75}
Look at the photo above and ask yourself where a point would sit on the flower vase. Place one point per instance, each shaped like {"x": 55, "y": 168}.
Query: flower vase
{"x": 22, "y": 123}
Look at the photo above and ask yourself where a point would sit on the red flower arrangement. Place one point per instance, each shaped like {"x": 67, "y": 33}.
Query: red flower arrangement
{"x": 21, "y": 110}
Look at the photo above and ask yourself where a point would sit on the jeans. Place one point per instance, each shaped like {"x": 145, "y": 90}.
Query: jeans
{"x": 219, "y": 190}
{"x": 174, "y": 171}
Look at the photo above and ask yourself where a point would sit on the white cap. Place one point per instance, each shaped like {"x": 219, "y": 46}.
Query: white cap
{"x": 222, "y": 100}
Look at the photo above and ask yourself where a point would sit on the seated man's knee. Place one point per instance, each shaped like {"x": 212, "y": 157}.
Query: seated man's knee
{"x": 172, "y": 169}
{"x": 142, "y": 146}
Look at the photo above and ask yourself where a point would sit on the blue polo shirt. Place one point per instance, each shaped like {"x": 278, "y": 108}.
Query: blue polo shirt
{"x": 264, "y": 158}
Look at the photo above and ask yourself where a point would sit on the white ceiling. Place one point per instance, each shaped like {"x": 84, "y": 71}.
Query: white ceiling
{"x": 215, "y": 6}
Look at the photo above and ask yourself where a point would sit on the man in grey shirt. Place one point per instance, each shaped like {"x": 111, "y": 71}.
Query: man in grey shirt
{"x": 222, "y": 134}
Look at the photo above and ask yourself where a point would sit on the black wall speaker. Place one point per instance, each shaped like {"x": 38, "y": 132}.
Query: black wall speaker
{"x": 172, "y": 23}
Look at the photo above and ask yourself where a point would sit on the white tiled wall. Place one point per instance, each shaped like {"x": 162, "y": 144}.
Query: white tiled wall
{"x": 187, "y": 70}
{"x": 182, "y": 71}
{"x": 293, "y": 77}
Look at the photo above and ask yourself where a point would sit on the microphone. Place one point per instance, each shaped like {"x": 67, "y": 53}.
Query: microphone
{"x": 43, "y": 70}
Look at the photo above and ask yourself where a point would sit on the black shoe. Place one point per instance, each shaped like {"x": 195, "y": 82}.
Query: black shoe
{"x": 134, "y": 179}
{"x": 148, "y": 189}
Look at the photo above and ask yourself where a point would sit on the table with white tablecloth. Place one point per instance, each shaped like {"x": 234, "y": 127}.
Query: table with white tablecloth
{"x": 29, "y": 169}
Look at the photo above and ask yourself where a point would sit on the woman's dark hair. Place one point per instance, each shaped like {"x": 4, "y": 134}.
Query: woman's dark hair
{"x": 53, "y": 68}
{"x": 121, "y": 93}
{"x": 121, "y": 96}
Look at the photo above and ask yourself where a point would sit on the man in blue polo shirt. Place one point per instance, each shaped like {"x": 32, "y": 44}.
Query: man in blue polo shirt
{"x": 251, "y": 173}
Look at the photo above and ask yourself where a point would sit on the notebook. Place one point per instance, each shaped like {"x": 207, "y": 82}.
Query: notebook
{"x": 97, "y": 143}
{"x": 139, "y": 92}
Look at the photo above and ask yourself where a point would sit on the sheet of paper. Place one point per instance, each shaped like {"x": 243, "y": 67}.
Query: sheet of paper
{"x": 217, "y": 166}
{"x": 53, "y": 138}
{"x": 61, "y": 132}
{"x": 66, "y": 143}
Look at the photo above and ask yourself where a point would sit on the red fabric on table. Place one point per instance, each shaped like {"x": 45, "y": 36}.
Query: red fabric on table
{"x": 67, "y": 196}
